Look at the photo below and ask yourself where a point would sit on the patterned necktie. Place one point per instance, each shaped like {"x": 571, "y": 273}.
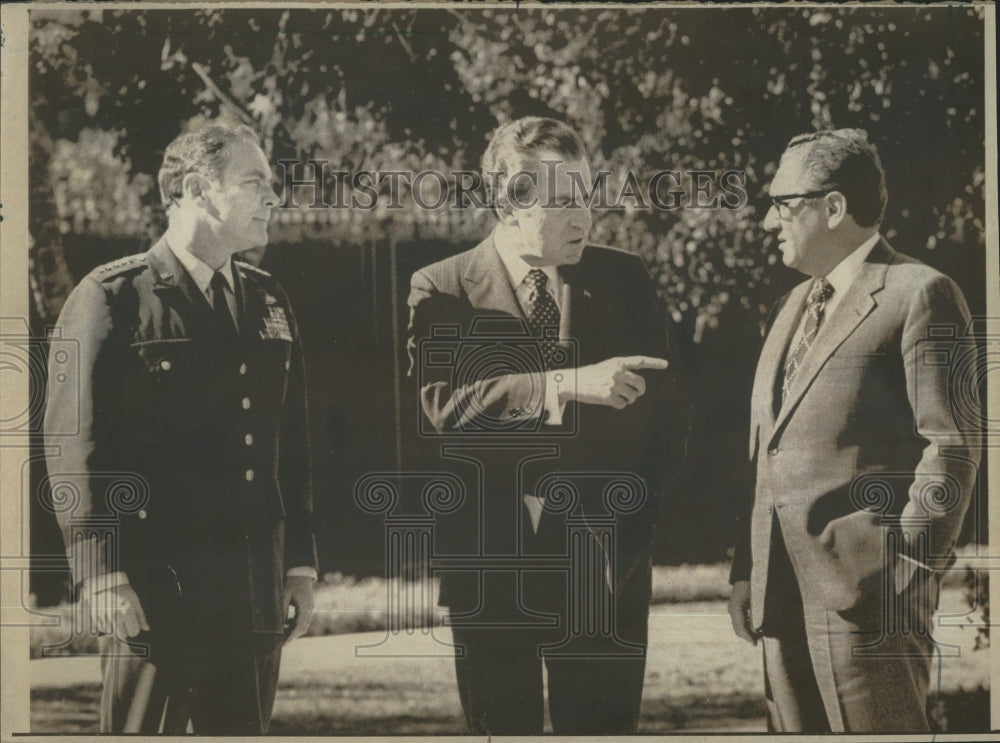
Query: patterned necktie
{"x": 821, "y": 292}
{"x": 221, "y": 307}
{"x": 544, "y": 314}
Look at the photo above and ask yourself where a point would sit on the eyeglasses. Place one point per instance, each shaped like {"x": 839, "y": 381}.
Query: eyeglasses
{"x": 785, "y": 209}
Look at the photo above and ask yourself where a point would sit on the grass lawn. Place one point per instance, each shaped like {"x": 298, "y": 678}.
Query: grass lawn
{"x": 347, "y": 605}
{"x": 699, "y": 677}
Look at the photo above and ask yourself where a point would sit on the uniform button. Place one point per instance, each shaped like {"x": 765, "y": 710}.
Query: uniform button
{"x": 249, "y": 475}
{"x": 246, "y": 403}
{"x": 165, "y": 365}
{"x": 248, "y": 439}
{"x": 243, "y": 368}
{"x": 142, "y": 513}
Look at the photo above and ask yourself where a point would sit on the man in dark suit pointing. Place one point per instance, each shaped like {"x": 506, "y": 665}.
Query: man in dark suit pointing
{"x": 864, "y": 470}
{"x": 575, "y": 359}
{"x": 191, "y": 387}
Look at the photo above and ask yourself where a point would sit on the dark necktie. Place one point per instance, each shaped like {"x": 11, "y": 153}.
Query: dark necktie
{"x": 815, "y": 305}
{"x": 221, "y": 307}
{"x": 544, "y": 314}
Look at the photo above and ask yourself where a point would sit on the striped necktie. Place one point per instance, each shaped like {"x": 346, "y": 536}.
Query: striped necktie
{"x": 821, "y": 292}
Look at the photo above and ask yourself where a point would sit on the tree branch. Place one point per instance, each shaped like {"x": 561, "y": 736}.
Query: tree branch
{"x": 226, "y": 101}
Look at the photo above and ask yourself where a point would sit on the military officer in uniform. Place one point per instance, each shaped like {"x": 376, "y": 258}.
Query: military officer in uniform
{"x": 192, "y": 391}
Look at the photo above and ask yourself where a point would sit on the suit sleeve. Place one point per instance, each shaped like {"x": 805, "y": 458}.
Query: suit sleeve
{"x": 742, "y": 561}
{"x": 946, "y": 417}
{"x": 453, "y": 396}
{"x": 77, "y": 425}
{"x": 294, "y": 465}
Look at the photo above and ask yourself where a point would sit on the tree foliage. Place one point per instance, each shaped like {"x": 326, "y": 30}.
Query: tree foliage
{"x": 650, "y": 89}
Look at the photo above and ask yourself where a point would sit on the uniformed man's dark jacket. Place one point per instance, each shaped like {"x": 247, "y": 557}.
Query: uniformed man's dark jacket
{"x": 205, "y": 434}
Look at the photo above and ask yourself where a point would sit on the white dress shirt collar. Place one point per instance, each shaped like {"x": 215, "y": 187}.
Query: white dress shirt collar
{"x": 201, "y": 272}
{"x": 845, "y": 272}
{"x": 517, "y": 267}
{"x": 840, "y": 278}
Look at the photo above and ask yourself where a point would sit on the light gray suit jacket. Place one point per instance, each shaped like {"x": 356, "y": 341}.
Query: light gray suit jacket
{"x": 876, "y": 436}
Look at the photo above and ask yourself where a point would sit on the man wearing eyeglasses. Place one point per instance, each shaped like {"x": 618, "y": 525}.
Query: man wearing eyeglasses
{"x": 863, "y": 473}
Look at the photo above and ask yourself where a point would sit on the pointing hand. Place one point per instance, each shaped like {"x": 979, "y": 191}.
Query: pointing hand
{"x": 612, "y": 382}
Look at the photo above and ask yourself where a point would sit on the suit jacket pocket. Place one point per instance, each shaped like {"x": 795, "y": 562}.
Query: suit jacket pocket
{"x": 852, "y": 547}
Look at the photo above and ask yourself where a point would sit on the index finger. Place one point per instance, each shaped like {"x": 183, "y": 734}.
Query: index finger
{"x": 644, "y": 362}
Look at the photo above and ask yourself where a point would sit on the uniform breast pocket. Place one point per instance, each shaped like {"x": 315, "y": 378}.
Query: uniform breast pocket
{"x": 169, "y": 368}
{"x": 164, "y": 357}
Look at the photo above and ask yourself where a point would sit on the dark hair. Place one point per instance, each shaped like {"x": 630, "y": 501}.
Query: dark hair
{"x": 844, "y": 160}
{"x": 202, "y": 151}
{"x": 520, "y": 139}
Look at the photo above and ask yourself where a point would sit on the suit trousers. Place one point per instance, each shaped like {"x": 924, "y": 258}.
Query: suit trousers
{"x": 597, "y": 691}
{"x": 863, "y": 670}
{"x": 217, "y": 686}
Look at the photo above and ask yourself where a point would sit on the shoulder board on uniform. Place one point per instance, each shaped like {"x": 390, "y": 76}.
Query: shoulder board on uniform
{"x": 251, "y": 269}
{"x": 120, "y": 266}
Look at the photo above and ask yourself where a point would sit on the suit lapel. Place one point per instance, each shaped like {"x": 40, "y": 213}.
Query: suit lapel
{"x": 772, "y": 357}
{"x": 580, "y": 297}
{"x": 486, "y": 281}
{"x": 856, "y": 305}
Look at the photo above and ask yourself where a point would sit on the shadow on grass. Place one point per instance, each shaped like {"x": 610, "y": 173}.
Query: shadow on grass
{"x": 394, "y": 725}
{"x": 75, "y": 710}
{"x": 960, "y": 712}
{"x": 729, "y": 712}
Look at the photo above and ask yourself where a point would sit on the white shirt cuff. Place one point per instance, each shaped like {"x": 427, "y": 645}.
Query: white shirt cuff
{"x": 302, "y": 572}
{"x": 104, "y": 582}
{"x": 554, "y": 382}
